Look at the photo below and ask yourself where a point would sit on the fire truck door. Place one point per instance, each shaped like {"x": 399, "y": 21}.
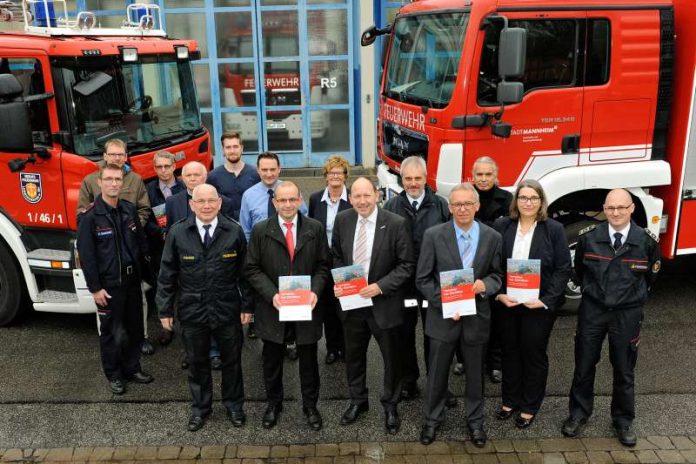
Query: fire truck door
{"x": 686, "y": 232}
{"x": 33, "y": 196}
{"x": 546, "y": 125}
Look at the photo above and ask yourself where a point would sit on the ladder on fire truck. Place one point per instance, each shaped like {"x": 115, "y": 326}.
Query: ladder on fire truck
{"x": 51, "y": 18}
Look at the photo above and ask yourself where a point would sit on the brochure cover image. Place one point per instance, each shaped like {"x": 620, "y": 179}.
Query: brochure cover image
{"x": 351, "y": 279}
{"x": 457, "y": 293}
{"x": 295, "y": 298}
{"x": 523, "y": 279}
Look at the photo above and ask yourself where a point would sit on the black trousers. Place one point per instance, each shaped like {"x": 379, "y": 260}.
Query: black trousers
{"x": 196, "y": 338}
{"x": 441, "y": 355}
{"x": 494, "y": 348}
{"x": 408, "y": 348}
{"x": 524, "y": 335}
{"x": 333, "y": 327}
{"x": 273, "y": 356}
{"x": 121, "y": 329}
{"x": 359, "y": 327}
{"x": 623, "y": 328}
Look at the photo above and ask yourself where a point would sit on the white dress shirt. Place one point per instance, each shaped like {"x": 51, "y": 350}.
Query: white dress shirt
{"x": 418, "y": 200}
{"x": 201, "y": 230}
{"x": 523, "y": 242}
{"x": 332, "y": 210}
{"x": 623, "y": 232}
{"x": 370, "y": 235}
{"x": 281, "y": 221}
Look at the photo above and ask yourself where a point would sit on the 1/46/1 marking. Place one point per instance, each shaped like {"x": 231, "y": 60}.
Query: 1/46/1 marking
{"x": 45, "y": 218}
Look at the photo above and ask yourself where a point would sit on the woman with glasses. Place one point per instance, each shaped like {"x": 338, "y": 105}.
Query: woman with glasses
{"x": 324, "y": 205}
{"x": 525, "y": 326}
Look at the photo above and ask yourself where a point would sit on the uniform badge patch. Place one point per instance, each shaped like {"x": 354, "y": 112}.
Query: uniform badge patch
{"x": 30, "y": 185}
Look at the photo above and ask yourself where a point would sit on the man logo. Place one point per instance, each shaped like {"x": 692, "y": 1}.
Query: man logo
{"x": 30, "y": 184}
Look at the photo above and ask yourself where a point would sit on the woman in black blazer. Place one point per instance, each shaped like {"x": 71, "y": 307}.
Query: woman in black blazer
{"x": 525, "y": 326}
{"x": 323, "y": 206}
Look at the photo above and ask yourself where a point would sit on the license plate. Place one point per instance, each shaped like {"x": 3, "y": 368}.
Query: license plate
{"x": 276, "y": 125}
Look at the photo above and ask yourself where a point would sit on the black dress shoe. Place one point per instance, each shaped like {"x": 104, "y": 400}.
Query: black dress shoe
{"x": 313, "y": 418}
{"x": 270, "y": 417}
{"x": 141, "y": 377}
{"x": 353, "y": 412}
{"x": 238, "y": 418}
{"x": 147, "y": 348}
{"x": 427, "y": 435}
{"x": 504, "y": 414}
{"x": 117, "y": 387}
{"x": 195, "y": 423}
{"x": 291, "y": 351}
{"x": 331, "y": 357}
{"x": 251, "y": 331}
{"x": 572, "y": 426}
{"x": 410, "y": 393}
{"x": 392, "y": 422}
{"x": 523, "y": 422}
{"x": 165, "y": 337}
{"x": 478, "y": 437}
{"x": 216, "y": 363}
{"x": 184, "y": 364}
{"x": 458, "y": 369}
{"x": 451, "y": 401}
{"x": 626, "y": 435}
{"x": 496, "y": 376}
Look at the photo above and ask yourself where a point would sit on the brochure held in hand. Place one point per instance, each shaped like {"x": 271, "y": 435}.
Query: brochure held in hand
{"x": 295, "y": 294}
{"x": 457, "y": 293}
{"x": 351, "y": 279}
{"x": 523, "y": 279}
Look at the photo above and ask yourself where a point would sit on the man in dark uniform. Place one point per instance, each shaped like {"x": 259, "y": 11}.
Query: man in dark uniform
{"x": 495, "y": 203}
{"x": 422, "y": 209}
{"x": 112, "y": 245}
{"x": 202, "y": 261}
{"x": 616, "y": 262}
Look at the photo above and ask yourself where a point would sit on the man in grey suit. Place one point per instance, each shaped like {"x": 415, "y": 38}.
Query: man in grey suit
{"x": 458, "y": 244}
{"x": 380, "y": 242}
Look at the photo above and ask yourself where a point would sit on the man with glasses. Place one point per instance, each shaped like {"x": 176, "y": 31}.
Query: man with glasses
{"x": 112, "y": 247}
{"x": 460, "y": 243}
{"x": 616, "y": 262}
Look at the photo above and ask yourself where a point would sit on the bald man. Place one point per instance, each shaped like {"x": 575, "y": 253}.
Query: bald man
{"x": 616, "y": 262}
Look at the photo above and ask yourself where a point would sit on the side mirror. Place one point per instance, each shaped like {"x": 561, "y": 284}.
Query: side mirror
{"x": 501, "y": 129}
{"x": 15, "y": 127}
{"x": 369, "y": 36}
{"x": 510, "y": 92}
{"x": 512, "y": 52}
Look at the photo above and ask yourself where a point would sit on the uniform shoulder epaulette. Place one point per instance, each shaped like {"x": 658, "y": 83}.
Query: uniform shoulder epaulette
{"x": 652, "y": 235}
{"x": 587, "y": 229}
{"x": 85, "y": 209}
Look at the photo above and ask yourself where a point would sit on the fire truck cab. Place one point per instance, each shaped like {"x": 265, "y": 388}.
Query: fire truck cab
{"x": 66, "y": 86}
{"x": 583, "y": 96}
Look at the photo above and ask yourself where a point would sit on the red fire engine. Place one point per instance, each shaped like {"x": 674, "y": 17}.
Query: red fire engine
{"x": 66, "y": 86}
{"x": 583, "y": 96}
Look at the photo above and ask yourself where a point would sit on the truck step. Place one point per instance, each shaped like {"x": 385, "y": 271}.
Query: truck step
{"x": 46, "y": 254}
{"x": 54, "y": 296}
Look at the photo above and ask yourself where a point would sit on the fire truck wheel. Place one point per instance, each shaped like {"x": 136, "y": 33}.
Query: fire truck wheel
{"x": 11, "y": 287}
{"x": 572, "y": 292}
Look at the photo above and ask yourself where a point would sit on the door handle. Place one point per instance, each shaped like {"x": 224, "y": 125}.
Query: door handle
{"x": 570, "y": 144}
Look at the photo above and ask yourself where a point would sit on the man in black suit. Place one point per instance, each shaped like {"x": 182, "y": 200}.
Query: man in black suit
{"x": 458, "y": 244}
{"x": 380, "y": 242}
{"x": 285, "y": 244}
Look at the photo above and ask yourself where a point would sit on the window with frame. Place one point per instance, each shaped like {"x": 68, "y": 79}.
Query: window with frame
{"x": 29, "y": 73}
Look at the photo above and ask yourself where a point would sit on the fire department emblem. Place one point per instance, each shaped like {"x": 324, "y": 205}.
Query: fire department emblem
{"x": 30, "y": 184}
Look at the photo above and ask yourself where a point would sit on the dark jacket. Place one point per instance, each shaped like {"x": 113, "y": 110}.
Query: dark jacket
{"x": 549, "y": 244}
{"x": 616, "y": 280}
{"x": 495, "y": 203}
{"x": 317, "y": 208}
{"x": 103, "y": 256}
{"x": 432, "y": 211}
{"x": 440, "y": 253}
{"x": 391, "y": 264}
{"x": 210, "y": 281}
{"x": 268, "y": 258}
{"x": 154, "y": 194}
{"x": 178, "y": 208}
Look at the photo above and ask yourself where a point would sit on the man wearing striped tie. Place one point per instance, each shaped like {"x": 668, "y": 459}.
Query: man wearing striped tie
{"x": 380, "y": 242}
{"x": 460, "y": 243}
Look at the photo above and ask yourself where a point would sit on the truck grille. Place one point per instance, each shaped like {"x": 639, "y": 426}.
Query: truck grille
{"x": 399, "y": 143}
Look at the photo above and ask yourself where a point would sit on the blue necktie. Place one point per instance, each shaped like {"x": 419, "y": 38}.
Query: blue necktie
{"x": 467, "y": 250}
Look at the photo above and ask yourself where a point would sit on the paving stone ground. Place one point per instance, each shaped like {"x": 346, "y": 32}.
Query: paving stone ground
{"x": 653, "y": 449}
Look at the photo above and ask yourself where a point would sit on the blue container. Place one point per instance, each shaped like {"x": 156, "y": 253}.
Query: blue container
{"x": 42, "y": 19}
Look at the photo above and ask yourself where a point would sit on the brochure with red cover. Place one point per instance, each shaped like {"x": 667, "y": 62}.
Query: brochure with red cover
{"x": 160, "y": 215}
{"x": 523, "y": 279}
{"x": 295, "y": 294}
{"x": 457, "y": 293}
{"x": 351, "y": 279}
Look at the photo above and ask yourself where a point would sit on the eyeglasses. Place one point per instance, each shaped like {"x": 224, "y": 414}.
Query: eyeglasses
{"x": 464, "y": 205}
{"x": 533, "y": 200}
{"x": 284, "y": 201}
{"x": 116, "y": 155}
{"x": 112, "y": 180}
{"x": 163, "y": 166}
{"x": 206, "y": 201}
{"x": 335, "y": 174}
{"x": 617, "y": 209}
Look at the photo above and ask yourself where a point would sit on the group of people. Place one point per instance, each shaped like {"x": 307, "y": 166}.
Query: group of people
{"x": 219, "y": 243}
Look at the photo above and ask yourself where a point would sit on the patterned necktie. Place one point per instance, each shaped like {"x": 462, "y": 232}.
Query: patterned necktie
{"x": 207, "y": 239}
{"x": 361, "y": 244}
{"x": 271, "y": 206}
{"x": 467, "y": 250}
{"x": 617, "y": 240}
{"x": 288, "y": 239}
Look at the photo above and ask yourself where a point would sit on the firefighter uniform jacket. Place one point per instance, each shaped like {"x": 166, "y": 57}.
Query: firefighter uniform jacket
{"x": 618, "y": 279}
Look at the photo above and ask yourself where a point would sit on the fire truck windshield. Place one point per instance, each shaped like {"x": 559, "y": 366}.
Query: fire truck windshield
{"x": 424, "y": 58}
{"x": 148, "y": 103}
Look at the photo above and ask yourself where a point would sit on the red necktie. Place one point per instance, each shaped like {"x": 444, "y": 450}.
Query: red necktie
{"x": 288, "y": 239}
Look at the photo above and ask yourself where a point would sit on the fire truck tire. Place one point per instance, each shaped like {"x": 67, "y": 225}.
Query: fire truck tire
{"x": 11, "y": 287}
{"x": 572, "y": 293}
